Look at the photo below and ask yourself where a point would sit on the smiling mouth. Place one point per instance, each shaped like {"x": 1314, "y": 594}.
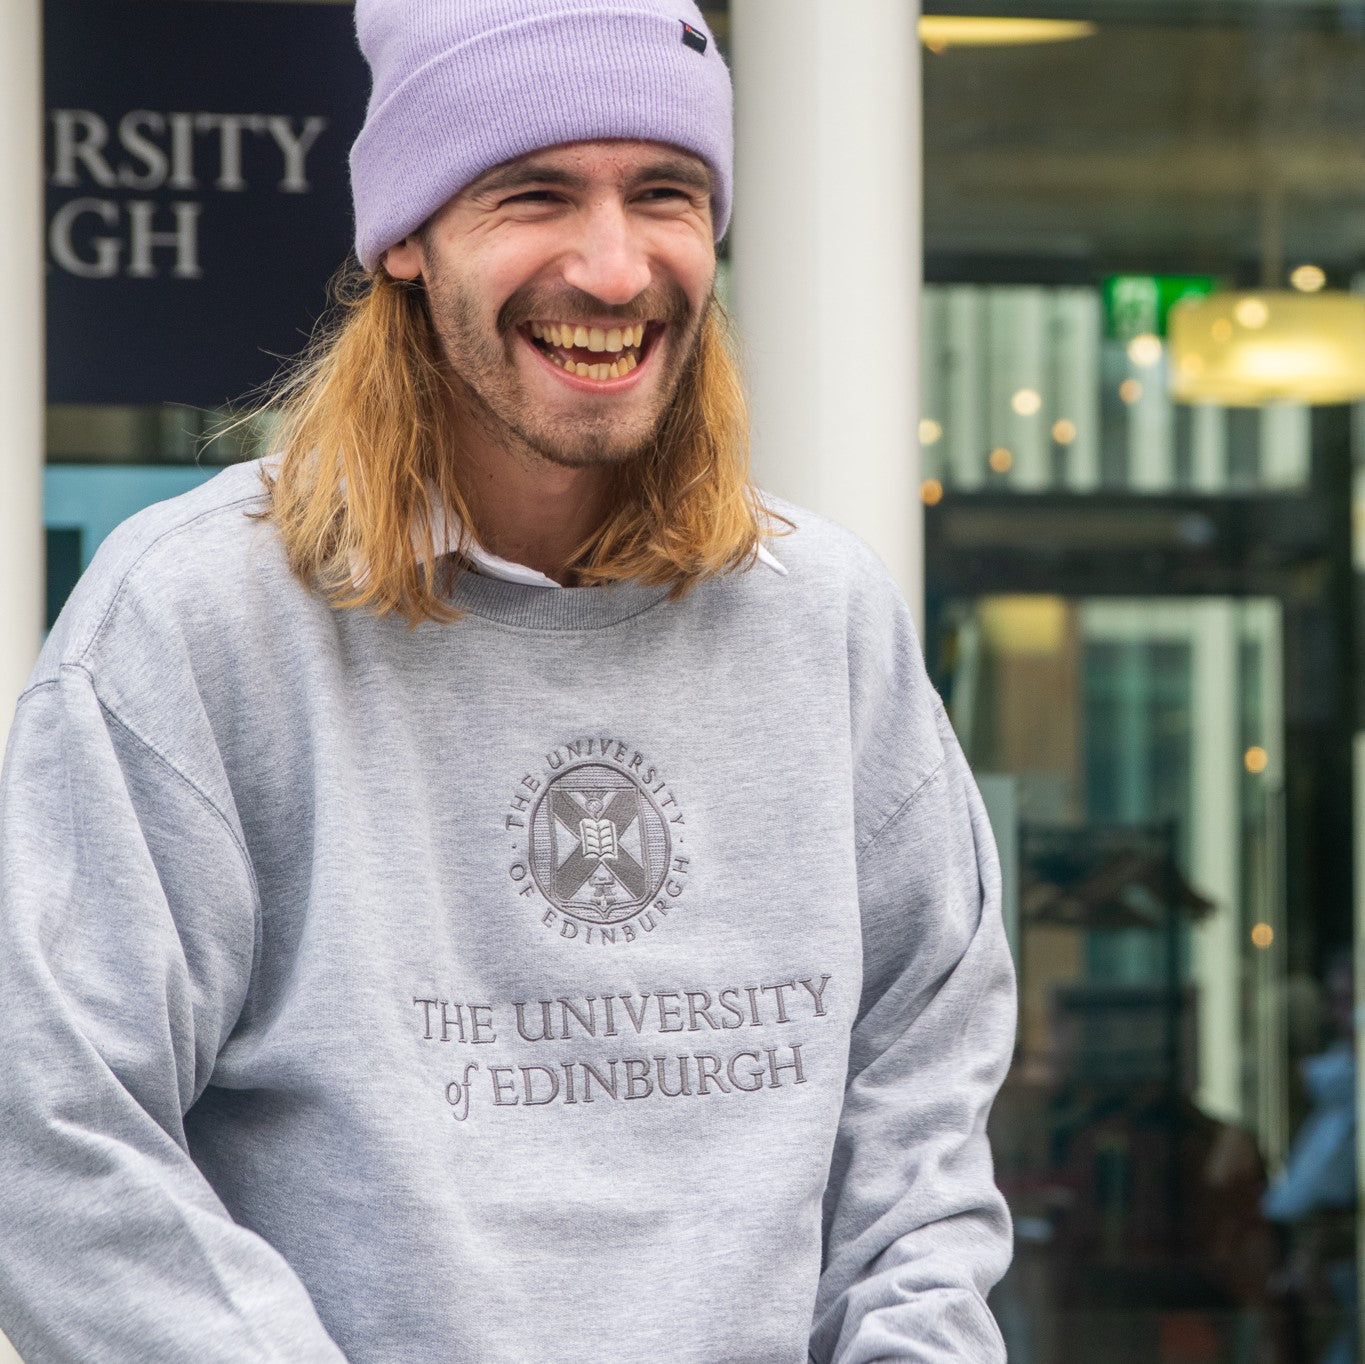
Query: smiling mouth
{"x": 599, "y": 353}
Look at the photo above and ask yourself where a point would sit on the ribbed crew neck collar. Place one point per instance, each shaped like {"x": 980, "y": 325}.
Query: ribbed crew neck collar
{"x": 567, "y": 608}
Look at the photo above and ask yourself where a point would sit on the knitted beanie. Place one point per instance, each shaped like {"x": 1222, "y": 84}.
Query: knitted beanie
{"x": 460, "y": 86}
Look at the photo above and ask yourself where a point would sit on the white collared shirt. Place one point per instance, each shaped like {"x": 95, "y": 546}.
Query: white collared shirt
{"x": 446, "y": 538}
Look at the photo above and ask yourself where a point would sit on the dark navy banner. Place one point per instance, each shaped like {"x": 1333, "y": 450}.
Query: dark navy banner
{"x": 197, "y": 191}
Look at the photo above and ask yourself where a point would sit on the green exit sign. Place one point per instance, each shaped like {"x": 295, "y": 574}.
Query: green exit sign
{"x": 1135, "y": 305}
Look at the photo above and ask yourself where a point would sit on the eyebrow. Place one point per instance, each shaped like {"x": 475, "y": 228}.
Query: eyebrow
{"x": 519, "y": 175}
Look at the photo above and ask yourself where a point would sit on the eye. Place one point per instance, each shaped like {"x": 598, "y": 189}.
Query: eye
{"x": 530, "y": 196}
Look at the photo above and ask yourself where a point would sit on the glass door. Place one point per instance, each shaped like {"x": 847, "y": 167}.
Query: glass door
{"x": 1131, "y": 752}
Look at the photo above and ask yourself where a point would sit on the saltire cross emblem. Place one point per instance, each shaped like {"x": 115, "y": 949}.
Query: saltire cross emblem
{"x": 599, "y": 845}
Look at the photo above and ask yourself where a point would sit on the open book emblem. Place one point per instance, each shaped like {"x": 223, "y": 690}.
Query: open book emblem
{"x": 598, "y": 839}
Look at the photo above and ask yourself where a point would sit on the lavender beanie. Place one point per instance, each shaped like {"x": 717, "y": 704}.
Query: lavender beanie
{"x": 461, "y": 86}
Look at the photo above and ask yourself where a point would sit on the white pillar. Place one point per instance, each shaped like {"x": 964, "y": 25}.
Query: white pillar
{"x": 965, "y": 335}
{"x": 1017, "y": 321}
{"x": 1151, "y": 432}
{"x": 1209, "y": 439}
{"x": 21, "y": 362}
{"x": 1286, "y": 446}
{"x": 1215, "y": 852}
{"x": 1078, "y": 324}
{"x": 21, "y": 350}
{"x": 826, "y": 250}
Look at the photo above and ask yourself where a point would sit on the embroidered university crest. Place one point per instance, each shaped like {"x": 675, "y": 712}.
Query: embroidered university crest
{"x": 598, "y": 844}
{"x": 600, "y": 838}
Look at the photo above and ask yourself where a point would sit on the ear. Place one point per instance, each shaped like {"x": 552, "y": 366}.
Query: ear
{"x": 404, "y": 261}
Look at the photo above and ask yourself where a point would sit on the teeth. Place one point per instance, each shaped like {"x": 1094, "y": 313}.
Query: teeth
{"x": 620, "y": 342}
{"x": 568, "y": 334}
{"x": 618, "y": 369}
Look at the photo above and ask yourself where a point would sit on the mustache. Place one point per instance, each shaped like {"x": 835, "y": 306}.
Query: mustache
{"x": 542, "y": 305}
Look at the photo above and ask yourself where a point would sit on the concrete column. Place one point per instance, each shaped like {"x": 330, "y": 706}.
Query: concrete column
{"x": 21, "y": 350}
{"x": 826, "y": 249}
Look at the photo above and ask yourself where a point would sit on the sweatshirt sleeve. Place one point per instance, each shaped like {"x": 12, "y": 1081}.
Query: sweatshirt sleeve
{"x": 127, "y": 937}
{"x": 916, "y": 1232}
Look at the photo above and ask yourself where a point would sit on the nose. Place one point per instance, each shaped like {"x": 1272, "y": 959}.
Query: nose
{"x": 609, "y": 260}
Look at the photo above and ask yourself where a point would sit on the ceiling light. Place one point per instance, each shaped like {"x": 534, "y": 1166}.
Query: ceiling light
{"x": 1145, "y": 350}
{"x": 939, "y": 32}
{"x": 1308, "y": 279}
{"x": 1271, "y": 346}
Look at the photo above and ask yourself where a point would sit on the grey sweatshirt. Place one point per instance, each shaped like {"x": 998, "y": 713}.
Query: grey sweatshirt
{"x": 598, "y": 978}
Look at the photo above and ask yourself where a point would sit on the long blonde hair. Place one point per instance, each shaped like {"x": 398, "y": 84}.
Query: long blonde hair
{"x": 365, "y": 435}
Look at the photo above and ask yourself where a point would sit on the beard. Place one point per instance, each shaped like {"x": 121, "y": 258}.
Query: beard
{"x": 490, "y": 388}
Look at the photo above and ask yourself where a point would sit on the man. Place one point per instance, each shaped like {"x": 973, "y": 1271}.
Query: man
{"x": 466, "y": 895}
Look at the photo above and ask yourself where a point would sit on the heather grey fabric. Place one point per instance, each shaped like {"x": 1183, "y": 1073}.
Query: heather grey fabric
{"x": 598, "y": 978}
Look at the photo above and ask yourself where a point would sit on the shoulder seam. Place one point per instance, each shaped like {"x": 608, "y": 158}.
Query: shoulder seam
{"x": 903, "y": 807}
{"x": 166, "y": 534}
{"x": 194, "y": 786}
{"x": 33, "y": 687}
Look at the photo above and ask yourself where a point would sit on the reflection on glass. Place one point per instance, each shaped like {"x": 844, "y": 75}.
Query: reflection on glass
{"x": 1032, "y": 370}
{"x": 1314, "y": 1195}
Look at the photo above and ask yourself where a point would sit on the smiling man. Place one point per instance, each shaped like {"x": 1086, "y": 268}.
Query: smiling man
{"x": 567, "y": 290}
{"x": 483, "y": 883}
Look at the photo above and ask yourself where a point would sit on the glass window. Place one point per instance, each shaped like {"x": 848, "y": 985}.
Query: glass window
{"x": 1143, "y": 230}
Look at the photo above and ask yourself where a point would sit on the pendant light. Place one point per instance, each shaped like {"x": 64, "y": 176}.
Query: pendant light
{"x": 1249, "y": 348}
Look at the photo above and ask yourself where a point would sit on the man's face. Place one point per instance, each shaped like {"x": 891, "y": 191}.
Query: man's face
{"x": 568, "y": 289}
